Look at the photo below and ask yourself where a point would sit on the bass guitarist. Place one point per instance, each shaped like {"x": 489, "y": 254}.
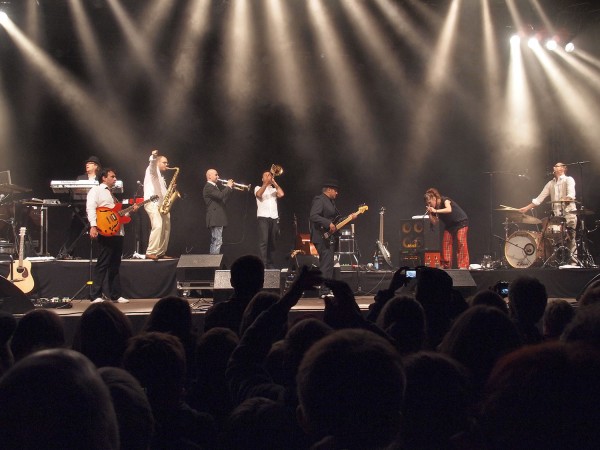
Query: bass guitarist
{"x": 323, "y": 215}
{"x": 111, "y": 247}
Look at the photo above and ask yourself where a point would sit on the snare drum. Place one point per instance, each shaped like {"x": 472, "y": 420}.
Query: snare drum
{"x": 523, "y": 249}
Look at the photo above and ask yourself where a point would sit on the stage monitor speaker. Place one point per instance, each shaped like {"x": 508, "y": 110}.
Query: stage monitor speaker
{"x": 222, "y": 288}
{"x": 197, "y": 271}
{"x": 462, "y": 281}
{"x": 420, "y": 235}
{"x": 12, "y": 299}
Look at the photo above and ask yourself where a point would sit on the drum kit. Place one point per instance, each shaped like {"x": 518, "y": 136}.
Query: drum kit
{"x": 547, "y": 244}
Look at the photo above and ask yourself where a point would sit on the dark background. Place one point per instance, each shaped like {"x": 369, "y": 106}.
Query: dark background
{"x": 364, "y": 108}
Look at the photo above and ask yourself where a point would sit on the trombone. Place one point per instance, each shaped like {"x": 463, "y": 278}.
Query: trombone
{"x": 236, "y": 186}
{"x": 276, "y": 170}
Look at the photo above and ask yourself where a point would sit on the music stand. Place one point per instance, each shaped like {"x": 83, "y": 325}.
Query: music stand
{"x": 90, "y": 282}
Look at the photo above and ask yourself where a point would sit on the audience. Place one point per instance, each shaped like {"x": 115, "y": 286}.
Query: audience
{"x": 527, "y": 301}
{"x": 173, "y": 315}
{"x": 8, "y": 324}
{"x": 543, "y": 397}
{"x": 38, "y": 329}
{"x": 157, "y": 361}
{"x": 134, "y": 415}
{"x": 102, "y": 334}
{"x": 557, "y": 315}
{"x": 478, "y": 338}
{"x": 350, "y": 389}
{"x": 247, "y": 278}
{"x": 487, "y": 297}
{"x": 209, "y": 392}
{"x": 423, "y": 373}
{"x": 403, "y": 319}
{"x": 437, "y": 402}
{"x": 56, "y": 399}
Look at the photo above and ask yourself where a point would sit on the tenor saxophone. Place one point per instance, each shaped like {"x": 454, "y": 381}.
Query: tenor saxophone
{"x": 171, "y": 195}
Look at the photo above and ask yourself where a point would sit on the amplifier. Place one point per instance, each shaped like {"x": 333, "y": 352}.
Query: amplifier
{"x": 410, "y": 259}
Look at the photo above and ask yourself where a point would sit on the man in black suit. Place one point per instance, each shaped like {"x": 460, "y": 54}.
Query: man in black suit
{"x": 216, "y": 217}
{"x": 323, "y": 216}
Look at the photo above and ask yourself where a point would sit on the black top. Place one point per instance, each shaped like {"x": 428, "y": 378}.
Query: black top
{"x": 322, "y": 213}
{"x": 457, "y": 219}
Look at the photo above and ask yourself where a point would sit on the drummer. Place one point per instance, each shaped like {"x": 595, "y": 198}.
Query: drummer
{"x": 561, "y": 190}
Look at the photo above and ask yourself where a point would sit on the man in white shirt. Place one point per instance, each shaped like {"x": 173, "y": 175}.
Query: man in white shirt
{"x": 561, "y": 189}
{"x": 154, "y": 184}
{"x": 268, "y": 217}
{"x": 111, "y": 247}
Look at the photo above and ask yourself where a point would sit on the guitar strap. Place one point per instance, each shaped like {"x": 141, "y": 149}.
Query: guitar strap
{"x": 112, "y": 195}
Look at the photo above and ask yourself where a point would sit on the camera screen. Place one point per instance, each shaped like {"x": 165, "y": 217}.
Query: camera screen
{"x": 411, "y": 273}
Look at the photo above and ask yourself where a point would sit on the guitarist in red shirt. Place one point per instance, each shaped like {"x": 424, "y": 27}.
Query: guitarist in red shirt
{"x": 111, "y": 247}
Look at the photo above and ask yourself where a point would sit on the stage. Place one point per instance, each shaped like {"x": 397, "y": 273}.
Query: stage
{"x": 145, "y": 279}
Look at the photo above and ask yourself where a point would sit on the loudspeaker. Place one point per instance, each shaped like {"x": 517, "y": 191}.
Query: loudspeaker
{"x": 462, "y": 281}
{"x": 420, "y": 235}
{"x": 222, "y": 288}
{"x": 12, "y": 299}
{"x": 197, "y": 271}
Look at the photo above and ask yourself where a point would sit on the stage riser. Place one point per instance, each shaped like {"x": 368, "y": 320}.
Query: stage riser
{"x": 151, "y": 279}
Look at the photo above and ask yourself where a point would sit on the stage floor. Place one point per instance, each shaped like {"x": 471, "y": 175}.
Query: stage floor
{"x": 144, "y": 279}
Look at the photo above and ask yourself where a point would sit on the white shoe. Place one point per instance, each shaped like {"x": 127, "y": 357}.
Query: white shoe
{"x": 98, "y": 300}
{"x": 121, "y": 300}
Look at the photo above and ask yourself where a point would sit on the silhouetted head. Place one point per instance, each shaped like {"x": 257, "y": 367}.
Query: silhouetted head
{"x": 56, "y": 399}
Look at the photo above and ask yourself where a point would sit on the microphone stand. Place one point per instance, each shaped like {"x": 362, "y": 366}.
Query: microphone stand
{"x": 138, "y": 225}
{"x": 584, "y": 256}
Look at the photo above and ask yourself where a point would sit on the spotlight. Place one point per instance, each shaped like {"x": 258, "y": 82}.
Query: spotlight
{"x": 515, "y": 40}
{"x": 570, "y": 47}
{"x": 551, "y": 45}
{"x": 3, "y": 17}
{"x": 532, "y": 42}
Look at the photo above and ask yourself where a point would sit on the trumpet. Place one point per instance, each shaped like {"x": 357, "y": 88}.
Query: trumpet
{"x": 236, "y": 186}
{"x": 276, "y": 170}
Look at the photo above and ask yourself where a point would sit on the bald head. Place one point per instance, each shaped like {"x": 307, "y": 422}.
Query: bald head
{"x": 212, "y": 175}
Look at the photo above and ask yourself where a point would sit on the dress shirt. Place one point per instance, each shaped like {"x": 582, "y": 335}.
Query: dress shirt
{"x": 559, "y": 188}
{"x": 267, "y": 206}
{"x": 154, "y": 182}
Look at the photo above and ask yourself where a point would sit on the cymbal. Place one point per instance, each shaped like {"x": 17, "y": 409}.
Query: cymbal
{"x": 583, "y": 212}
{"x": 12, "y": 189}
{"x": 524, "y": 218}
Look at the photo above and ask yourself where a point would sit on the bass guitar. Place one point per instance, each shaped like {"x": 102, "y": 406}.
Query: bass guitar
{"x": 381, "y": 249}
{"x": 338, "y": 226}
{"x": 20, "y": 275}
{"x": 109, "y": 220}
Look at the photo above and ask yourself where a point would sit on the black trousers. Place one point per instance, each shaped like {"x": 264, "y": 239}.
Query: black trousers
{"x": 268, "y": 232}
{"x": 326, "y": 251}
{"x": 108, "y": 264}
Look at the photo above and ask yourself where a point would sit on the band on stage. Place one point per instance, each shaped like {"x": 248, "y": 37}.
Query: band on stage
{"x": 557, "y": 240}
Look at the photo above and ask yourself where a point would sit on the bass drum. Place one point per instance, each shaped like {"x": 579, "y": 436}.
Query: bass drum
{"x": 523, "y": 249}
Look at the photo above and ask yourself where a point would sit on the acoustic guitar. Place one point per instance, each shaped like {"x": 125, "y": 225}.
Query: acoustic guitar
{"x": 338, "y": 226}
{"x": 20, "y": 275}
{"x": 109, "y": 220}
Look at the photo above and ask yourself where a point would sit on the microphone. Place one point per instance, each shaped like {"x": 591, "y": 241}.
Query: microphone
{"x": 139, "y": 183}
{"x": 524, "y": 176}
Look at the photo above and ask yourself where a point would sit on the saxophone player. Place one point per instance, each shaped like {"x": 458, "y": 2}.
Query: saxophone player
{"x": 155, "y": 184}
